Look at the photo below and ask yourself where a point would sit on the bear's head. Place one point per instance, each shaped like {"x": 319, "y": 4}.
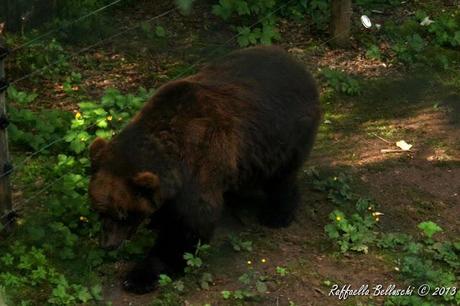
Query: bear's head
{"x": 122, "y": 201}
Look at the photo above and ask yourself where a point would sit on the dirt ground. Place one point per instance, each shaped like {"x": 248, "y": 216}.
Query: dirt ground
{"x": 409, "y": 187}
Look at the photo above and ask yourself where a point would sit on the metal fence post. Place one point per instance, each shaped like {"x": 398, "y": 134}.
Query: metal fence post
{"x": 5, "y": 165}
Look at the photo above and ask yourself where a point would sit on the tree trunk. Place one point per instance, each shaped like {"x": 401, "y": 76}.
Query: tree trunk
{"x": 341, "y": 11}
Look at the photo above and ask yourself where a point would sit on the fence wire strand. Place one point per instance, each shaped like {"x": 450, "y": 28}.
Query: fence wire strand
{"x": 40, "y": 37}
{"x": 83, "y": 50}
{"x": 30, "y": 198}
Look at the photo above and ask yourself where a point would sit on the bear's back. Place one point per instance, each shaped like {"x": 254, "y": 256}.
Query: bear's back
{"x": 269, "y": 70}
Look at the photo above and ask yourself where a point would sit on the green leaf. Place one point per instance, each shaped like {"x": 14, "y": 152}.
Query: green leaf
{"x": 205, "y": 280}
{"x": 429, "y": 228}
{"x": 185, "y": 6}
{"x": 7, "y": 259}
{"x": 261, "y": 287}
{"x": 160, "y": 31}
{"x": 456, "y": 39}
{"x": 164, "y": 280}
{"x": 83, "y": 295}
{"x": 226, "y": 294}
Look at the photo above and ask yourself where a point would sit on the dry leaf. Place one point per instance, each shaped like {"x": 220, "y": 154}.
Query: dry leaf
{"x": 403, "y": 145}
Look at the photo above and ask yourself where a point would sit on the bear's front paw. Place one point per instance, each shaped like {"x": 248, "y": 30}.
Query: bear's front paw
{"x": 143, "y": 277}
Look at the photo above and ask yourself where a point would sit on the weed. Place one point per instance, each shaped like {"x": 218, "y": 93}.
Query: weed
{"x": 254, "y": 284}
{"x": 65, "y": 228}
{"x": 49, "y": 58}
{"x": 194, "y": 266}
{"x": 239, "y": 244}
{"x": 373, "y": 52}
{"x": 264, "y": 34}
{"x": 33, "y": 129}
{"x": 281, "y": 271}
{"x": 341, "y": 82}
{"x": 428, "y": 262}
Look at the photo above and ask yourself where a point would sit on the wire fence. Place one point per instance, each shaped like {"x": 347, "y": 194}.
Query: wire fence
{"x": 37, "y": 71}
{"x": 56, "y": 30}
{"x": 86, "y": 49}
{"x": 23, "y": 163}
{"x": 184, "y": 72}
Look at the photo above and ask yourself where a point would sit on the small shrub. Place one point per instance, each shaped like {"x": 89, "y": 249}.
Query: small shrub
{"x": 25, "y": 268}
{"x": 254, "y": 284}
{"x": 47, "y": 59}
{"x": 265, "y": 33}
{"x": 373, "y": 52}
{"x": 239, "y": 244}
{"x": 341, "y": 82}
{"x": 33, "y": 129}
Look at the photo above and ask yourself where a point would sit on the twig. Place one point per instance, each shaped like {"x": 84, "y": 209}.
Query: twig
{"x": 383, "y": 139}
{"x": 394, "y": 151}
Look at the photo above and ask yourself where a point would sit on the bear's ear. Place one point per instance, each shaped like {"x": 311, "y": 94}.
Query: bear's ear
{"x": 148, "y": 180}
{"x": 96, "y": 147}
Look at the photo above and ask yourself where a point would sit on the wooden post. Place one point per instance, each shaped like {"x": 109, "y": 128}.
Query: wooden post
{"x": 5, "y": 166}
{"x": 341, "y": 11}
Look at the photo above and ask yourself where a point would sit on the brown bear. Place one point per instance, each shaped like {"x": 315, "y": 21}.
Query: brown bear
{"x": 248, "y": 120}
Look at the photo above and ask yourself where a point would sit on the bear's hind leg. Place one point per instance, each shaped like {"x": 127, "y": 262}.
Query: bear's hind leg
{"x": 283, "y": 198}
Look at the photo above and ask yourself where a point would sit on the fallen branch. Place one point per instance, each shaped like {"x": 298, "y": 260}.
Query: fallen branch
{"x": 394, "y": 151}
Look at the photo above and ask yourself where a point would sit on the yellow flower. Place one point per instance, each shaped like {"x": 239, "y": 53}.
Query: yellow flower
{"x": 109, "y": 118}
{"x": 249, "y": 262}
{"x": 78, "y": 116}
{"x": 83, "y": 219}
{"x": 377, "y": 219}
{"x": 338, "y": 218}
{"x": 263, "y": 260}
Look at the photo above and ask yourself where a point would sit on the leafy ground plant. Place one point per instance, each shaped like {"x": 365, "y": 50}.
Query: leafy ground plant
{"x": 32, "y": 129}
{"x": 353, "y": 222}
{"x": 253, "y": 285}
{"x": 264, "y": 34}
{"x": 240, "y": 244}
{"x": 427, "y": 262}
{"x": 62, "y": 234}
{"x": 419, "y": 261}
{"x": 341, "y": 82}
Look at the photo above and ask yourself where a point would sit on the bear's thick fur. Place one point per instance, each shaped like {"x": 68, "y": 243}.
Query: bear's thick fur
{"x": 246, "y": 121}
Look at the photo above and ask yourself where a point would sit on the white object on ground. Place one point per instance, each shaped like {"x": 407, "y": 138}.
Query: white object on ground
{"x": 426, "y": 21}
{"x": 403, "y": 145}
{"x": 366, "y": 21}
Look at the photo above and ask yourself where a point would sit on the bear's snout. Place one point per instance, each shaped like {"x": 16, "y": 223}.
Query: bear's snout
{"x": 109, "y": 242}
{"x": 113, "y": 234}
